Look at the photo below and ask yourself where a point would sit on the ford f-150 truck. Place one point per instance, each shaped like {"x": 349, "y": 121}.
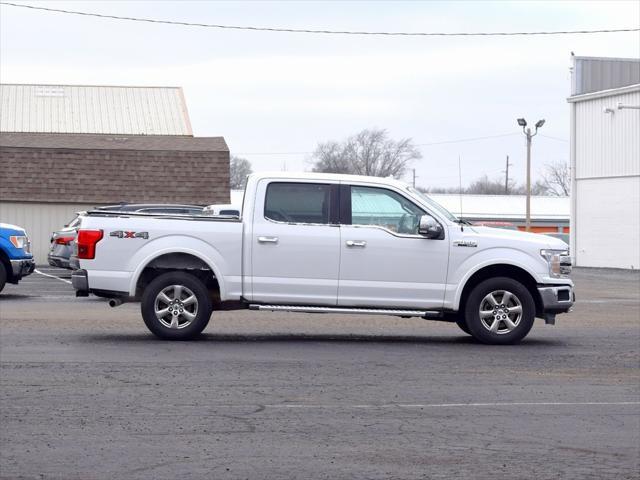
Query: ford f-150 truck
{"x": 325, "y": 243}
{"x": 16, "y": 260}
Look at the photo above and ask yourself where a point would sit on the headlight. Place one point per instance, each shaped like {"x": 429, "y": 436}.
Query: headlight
{"x": 559, "y": 262}
{"x": 21, "y": 242}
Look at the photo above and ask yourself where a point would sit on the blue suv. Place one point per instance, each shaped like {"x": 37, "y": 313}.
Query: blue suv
{"x": 16, "y": 260}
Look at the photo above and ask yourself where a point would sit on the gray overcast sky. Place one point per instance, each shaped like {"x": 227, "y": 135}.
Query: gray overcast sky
{"x": 284, "y": 92}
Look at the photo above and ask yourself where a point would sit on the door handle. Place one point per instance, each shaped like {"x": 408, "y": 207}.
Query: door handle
{"x": 268, "y": 239}
{"x": 356, "y": 243}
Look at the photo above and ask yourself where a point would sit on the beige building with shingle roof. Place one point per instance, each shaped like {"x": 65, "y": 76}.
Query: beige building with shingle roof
{"x": 94, "y": 146}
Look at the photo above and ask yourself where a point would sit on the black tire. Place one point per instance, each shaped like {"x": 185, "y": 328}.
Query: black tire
{"x": 3, "y": 276}
{"x": 505, "y": 333}
{"x": 462, "y": 323}
{"x": 190, "y": 285}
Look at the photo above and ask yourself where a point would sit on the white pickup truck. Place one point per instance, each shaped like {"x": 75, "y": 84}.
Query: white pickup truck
{"x": 325, "y": 243}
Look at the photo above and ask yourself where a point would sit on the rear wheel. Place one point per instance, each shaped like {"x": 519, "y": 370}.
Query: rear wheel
{"x": 499, "y": 311}
{"x": 3, "y": 276}
{"x": 176, "y": 306}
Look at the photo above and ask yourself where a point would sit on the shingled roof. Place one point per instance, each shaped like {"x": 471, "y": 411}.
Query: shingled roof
{"x": 100, "y": 169}
{"x": 171, "y": 143}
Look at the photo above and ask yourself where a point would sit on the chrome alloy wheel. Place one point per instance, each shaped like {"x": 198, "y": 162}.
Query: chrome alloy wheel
{"x": 500, "y": 312}
{"x": 176, "y": 306}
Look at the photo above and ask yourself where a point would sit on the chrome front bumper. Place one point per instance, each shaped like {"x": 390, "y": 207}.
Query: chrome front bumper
{"x": 22, "y": 267}
{"x": 556, "y": 299}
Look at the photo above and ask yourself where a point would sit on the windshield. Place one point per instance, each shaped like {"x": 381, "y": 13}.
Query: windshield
{"x": 425, "y": 198}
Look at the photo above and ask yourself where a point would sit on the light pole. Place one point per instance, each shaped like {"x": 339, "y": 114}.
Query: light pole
{"x": 527, "y": 131}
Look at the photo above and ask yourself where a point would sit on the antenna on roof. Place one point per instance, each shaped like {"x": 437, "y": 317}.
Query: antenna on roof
{"x": 460, "y": 191}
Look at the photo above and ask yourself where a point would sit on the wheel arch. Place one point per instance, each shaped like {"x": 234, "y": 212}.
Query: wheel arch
{"x": 508, "y": 270}
{"x": 177, "y": 260}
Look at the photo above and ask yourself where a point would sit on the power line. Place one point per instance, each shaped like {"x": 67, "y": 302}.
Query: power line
{"x": 320, "y": 31}
{"x": 471, "y": 139}
{"x": 554, "y": 138}
{"x": 459, "y": 140}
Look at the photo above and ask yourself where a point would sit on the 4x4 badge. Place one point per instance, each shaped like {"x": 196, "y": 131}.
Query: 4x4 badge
{"x": 123, "y": 234}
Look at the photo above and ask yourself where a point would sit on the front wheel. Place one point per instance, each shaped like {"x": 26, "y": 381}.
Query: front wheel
{"x": 176, "y": 306}
{"x": 499, "y": 311}
{"x": 3, "y": 276}
{"x": 462, "y": 323}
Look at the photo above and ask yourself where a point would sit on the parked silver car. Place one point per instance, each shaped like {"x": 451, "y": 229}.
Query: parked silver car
{"x": 62, "y": 244}
{"x": 62, "y": 249}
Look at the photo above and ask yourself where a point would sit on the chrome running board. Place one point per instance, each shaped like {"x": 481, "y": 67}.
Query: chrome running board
{"x": 363, "y": 311}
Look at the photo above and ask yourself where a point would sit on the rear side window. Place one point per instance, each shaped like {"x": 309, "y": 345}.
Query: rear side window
{"x": 298, "y": 202}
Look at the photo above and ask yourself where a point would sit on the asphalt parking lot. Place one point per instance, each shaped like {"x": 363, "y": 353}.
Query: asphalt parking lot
{"x": 88, "y": 393}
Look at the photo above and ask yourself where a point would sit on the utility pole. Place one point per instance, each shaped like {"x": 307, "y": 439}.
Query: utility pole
{"x": 506, "y": 179}
{"x": 414, "y": 178}
{"x": 527, "y": 131}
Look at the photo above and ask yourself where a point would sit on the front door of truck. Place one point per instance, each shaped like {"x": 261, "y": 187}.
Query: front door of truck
{"x": 384, "y": 262}
{"x": 295, "y": 243}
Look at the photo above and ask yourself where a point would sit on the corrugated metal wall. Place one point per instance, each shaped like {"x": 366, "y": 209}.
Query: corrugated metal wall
{"x": 39, "y": 220}
{"x": 593, "y": 74}
{"x": 93, "y": 109}
{"x": 608, "y": 223}
{"x": 607, "y": 144}
{"x": 606, "y": 190}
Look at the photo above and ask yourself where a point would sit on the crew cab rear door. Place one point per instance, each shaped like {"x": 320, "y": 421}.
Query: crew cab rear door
{"x": 295, "y": 243}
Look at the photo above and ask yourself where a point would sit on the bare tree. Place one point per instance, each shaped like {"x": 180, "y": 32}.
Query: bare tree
{"x": 556, "y": 179}
{"x": 239, "y": 168}
{"x": 370, "y": 152}
{"x": 486, "y": 186}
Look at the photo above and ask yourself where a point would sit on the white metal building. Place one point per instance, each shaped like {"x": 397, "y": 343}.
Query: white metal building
{"x": 93, "y": 109}
{"x": 605, "y": 162}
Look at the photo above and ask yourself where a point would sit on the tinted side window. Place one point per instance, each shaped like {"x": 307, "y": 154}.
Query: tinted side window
{"x": 384, "y": 208}
{"x": 298, "y": 202}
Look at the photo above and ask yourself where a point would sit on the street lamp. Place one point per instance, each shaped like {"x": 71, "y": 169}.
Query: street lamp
{"x": 527, "y": 131}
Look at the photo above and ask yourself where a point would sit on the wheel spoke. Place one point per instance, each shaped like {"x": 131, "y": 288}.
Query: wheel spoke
{"x": 494, "y": 326}
{"x": 486, "y": 313}
{"x": 491, "y": 299}
{"x": 162, "y": 313}
{"x": 188, "y": 315}
{"x": 505, "y": 298}
{"x": 164, "y": 298}
{"x": 174, "y": 321}
{"x": 509, "y": 323}
{"x": 189, "y": 300}
{"x": 177, "y": 292}
{"x": 516, "y": 309}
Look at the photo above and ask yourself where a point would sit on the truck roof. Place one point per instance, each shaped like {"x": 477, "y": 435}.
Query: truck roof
{"x": 330, "y": 176}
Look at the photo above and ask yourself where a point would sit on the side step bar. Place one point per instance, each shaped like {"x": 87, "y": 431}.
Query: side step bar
{"x": 364, "y": 311}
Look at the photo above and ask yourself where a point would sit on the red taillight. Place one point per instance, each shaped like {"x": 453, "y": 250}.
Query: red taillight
{"x": 86, "y": 242}
{"x": 64, "y": 240}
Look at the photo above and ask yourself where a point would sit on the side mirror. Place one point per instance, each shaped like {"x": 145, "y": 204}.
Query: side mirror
{"x": 429, "y": 227}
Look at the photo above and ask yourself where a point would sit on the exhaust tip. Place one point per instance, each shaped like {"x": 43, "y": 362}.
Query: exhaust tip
{"x": 115, "y": 302}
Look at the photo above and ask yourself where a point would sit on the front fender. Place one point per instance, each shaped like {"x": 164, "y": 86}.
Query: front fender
{"x": 461, "y": 273}
{"x": 177, "y": 244}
